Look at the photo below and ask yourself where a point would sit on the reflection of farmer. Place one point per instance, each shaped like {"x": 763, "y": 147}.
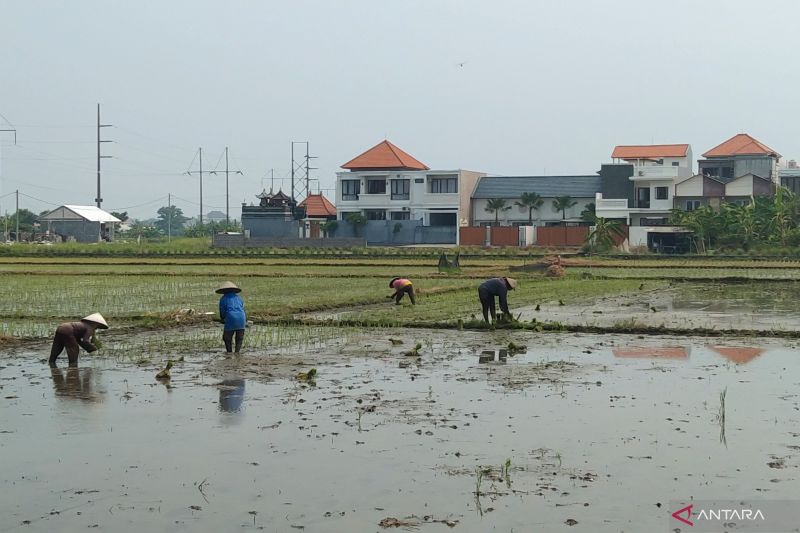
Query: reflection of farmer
{"x": 231, "y": 312}
{"x": 498, "y": 287}
{"x": 76, "y": 384}
{"x": 231, "y": 395}
{"x": 76, "y": 335}
{"x": 402, "y": 286}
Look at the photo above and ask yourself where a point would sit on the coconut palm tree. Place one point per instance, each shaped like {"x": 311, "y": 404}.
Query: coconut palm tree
{"x": 530, "y": 201}
{"x": 496, "y": 205}
{"x": 602, "y": 236}
{"x": 562, "y": 203}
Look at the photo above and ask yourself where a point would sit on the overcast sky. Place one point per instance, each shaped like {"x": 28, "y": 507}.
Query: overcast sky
{"x": 506, "y": 87}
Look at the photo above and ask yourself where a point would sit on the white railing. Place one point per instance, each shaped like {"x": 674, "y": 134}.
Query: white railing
{"x": 611, "y": 203}
{"x": 663, "y": 172}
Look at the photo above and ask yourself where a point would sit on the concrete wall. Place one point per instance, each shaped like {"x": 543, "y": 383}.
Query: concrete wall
{"x": 468, "y": 182}
{"x": 268, "y": 228}
{"x": 81, "y": 230}
{"x": 615, "y": 182}
{"x": 766, "y": 167}
{"x": 240, "y": 241}
{"x": 404, "y": 232}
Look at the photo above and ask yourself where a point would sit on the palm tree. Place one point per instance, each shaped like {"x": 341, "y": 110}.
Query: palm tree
{"x": 602, "y": 236}
{"x": 496, "y": 205}
{"x": 531, "y": 201}
{"x": 562, "y": 203}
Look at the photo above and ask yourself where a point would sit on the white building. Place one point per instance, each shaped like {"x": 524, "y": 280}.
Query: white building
{"x": 649, "y": 197}
{"x": 386, "y": 183}
{"x": 580, "y": 188}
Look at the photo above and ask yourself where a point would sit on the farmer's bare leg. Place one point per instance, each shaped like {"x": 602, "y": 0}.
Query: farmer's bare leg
{"x": 486, "y": 303}
{"x": 239, "y": 339}
{"x": 227, "y": 338}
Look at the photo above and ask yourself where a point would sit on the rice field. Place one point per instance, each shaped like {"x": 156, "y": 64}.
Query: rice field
{"x": 162, "y": 293}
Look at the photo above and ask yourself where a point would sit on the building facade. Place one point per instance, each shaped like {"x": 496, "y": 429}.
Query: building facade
{"x": 581, "y": 188}
{"x": 387, "y": 184}
{"x": 740, "y": 155}
{"x": 639, "y": 185}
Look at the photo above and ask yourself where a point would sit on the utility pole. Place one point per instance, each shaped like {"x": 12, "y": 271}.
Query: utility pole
{"x": 9, "y": 130}
{"x": 303, "y": 165}
{"x": 99, "y": 198}
{"x": 227, "y": 197}
{"x": 169, "y": 217}
{"x": 17, "y": 216}
{"x": 190, "y": 172}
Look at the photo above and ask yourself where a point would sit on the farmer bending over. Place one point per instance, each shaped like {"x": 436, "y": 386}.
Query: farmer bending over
{"x": 402, "y": 286}
{"x": 495, "y": 287}
{"x": 76, "y": 335}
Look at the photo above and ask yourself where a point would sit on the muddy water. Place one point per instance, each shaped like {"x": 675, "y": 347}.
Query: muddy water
{"x": 763, "y": 307}
{"x": 598, "y": 429}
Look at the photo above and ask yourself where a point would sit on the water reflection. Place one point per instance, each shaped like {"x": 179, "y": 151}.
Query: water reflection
{"x": 653, "y": 352}
{"x": 493, "y": 356}
{"x": 738, "y": 354}
{"x": 80, "y": 383}
{"x": 231, "y": 395}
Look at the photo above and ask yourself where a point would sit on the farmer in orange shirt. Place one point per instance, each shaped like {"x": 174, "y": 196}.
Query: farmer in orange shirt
{"x": 402, "y": 286}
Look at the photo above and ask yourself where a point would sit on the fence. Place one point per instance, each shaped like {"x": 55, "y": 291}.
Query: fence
{"x": 242, "y": 241}
{"x": 561, "y": 235}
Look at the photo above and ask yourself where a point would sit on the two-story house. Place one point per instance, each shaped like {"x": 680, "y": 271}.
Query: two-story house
{"x": 740, "y": 155}
{"x": 638, "y": 186}
{"x": 386, "y": 183}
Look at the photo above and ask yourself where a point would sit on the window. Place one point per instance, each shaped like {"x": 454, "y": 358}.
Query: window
{"x": 662, "y": 193}
{"x": 419, "y": 180}
{"x": 351, "y": 189}
{"x": 643, "y": 197}
{"x": 691, "y": 205}
{"x": 443, "y": 184}
{"x": 659, "y": 162}
{"x": 375, "y": 214}
{"x": 676, "y": 164}
{"x": 727, "y": 173}
{"x": 376, "y": 186}
{"x": 401, "y": 215}
{"x": 400, "y": 189}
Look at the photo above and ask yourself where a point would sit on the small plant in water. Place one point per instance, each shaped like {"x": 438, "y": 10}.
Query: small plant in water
{"x": 415, "y": 351}
{"x": 505, "y": 470}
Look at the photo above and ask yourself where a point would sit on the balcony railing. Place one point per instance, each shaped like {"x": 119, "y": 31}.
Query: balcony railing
{"x": 400, "y": 196}
{"x": 611, "y": 203}
{"x": 349, "y": 197}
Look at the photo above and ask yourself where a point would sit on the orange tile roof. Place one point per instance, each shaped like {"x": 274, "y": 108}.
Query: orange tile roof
{"x": 384, "y": 156}
{"x": 318, "y": 206}
{"x": 741, "y": 144}
{"x": 738, "y": 354}
{"x": 650, "y": 151}
{"x": 667, "y": 352}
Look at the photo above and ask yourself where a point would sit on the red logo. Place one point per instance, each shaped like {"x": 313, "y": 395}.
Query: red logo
{"x": 688, "y": 510}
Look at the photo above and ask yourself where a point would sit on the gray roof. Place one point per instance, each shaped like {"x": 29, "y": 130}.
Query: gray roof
{"x": 546, "y": 186}
{"x": 789, "y": 172}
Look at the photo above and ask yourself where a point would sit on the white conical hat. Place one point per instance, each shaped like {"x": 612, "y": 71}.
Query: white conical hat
{"x": 511, "y": 283}
{"x": 228, "y": 286}
{"x": 97, "y": 318}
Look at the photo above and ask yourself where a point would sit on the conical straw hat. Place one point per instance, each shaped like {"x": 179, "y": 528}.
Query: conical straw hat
{"x": 228, "y": 286}
{"x": 511, "y": 283}
{"x": 98, "y": 319}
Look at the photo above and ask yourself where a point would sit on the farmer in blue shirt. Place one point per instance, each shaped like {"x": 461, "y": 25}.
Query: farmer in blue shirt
{"x": 231, "y": 312}
{"x": 491, "y": 288}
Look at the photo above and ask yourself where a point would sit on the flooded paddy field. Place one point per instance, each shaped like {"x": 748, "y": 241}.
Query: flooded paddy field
{"x": 359, "y": 421}
{"x": 564, "y": 432}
